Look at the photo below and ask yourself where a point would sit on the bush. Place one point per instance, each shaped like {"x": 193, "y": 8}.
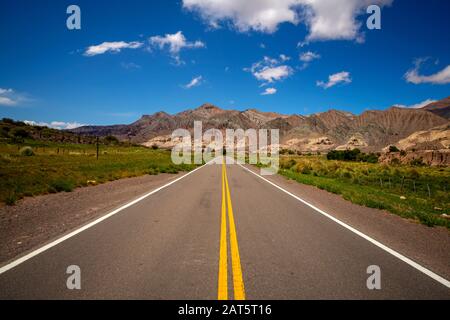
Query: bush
{"x": 61, "y": 185}
{"x": 288, "y": 164}
{"x": 417, "y": 162}
{"x": 352, "y": 155}
{"x": 27, "y": 151}
{"x": 8, "y": 121}
{"x": 393, "y": 149}
{"x": 20, "y": 133}
{"x": 11, "y": 199}
{"x": 111, "y": 140}
{"x": 155, "y": 147}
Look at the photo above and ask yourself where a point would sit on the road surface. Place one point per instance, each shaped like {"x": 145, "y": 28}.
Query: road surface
{"x": 220, "y": 232}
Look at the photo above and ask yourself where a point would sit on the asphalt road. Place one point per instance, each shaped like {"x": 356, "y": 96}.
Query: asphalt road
{"x": 217, "y": 234}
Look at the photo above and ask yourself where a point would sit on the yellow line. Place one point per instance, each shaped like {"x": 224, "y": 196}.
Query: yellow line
{"x": 223, "y": 263}
{"x": 238, "y": 282}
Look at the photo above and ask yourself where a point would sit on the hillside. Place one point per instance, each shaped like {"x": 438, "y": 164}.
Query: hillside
{"x": 371, "y": 131}
{"x": 440, "y": 108}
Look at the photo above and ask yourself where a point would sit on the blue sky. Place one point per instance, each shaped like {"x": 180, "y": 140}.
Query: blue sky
{"x": 51, "y": 74}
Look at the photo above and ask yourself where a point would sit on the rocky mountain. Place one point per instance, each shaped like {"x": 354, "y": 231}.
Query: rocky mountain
{"x": 370, "y": 131}
{"x": 440, "y": 108}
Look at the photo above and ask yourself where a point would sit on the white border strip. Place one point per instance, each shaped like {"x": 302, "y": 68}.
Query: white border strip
{"x": 89, "y": 225}
{"x": 413, "y": 264}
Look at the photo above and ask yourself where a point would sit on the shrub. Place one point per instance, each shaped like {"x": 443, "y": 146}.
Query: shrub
{"x": 61, "y": 185}
{"x": 155, "y": 147}
{"x": 111, "y": 140}
{"x": 11, "y": 199}
{"x": 288, "y": 164}
{"x": 20, "y": 133}
{"x": 352, "y": 155}
{"x": 393, "y": 149}
{"x": 417, "y": 162}
{"x": 27, "y": 151}
{"x": 8, "y": 121}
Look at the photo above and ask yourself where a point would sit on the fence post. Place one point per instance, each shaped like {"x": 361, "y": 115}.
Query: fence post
{"x": 97, "y": 148}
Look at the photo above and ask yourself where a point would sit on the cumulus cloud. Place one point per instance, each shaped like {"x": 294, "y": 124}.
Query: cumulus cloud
{"x": 175, "y": 43}
{"x": 11, "y": 98}
{"x": 111, "y": 47}
{"x": 335, "y": 79}
{"x": 414, "y": 76}
{"x": 270, "y": 70}
{"x": 419, "y": 105}
{"x": 325, "y": 19}
{"x": 269, "y": 91}
{"x": 194, "y": 82}
{"x": 60, "y": 125}
{"x": 309, "y": 56}
{"x": 6, "y": 98}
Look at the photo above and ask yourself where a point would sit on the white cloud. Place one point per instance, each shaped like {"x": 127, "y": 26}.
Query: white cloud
{"x": 335, "y": 79}
{"x": 60, "y": 125}
{"x": 130, "y": 65}
{"x": 11, "y": 98}
{"x": 271, "y": 75}
{"x": 414, "y": 76}
{"x": 6, "y": 98}
{"x": 111, "y": 47}
{"x": 417, "y": 105}
{"x": 309, "y": 56}
{"x": 269, "y": 91}
{"x": 175, "y": 43}
{"x": 194, "y": 82}
{"x": 5, "y": 91}
{"x": 324, "y": 18}
{"x": 5, "y": 101}
{"x": 284, "y": 57}
{"x": 270, "y": 70}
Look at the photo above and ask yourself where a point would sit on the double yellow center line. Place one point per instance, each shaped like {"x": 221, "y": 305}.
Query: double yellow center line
{"x": 238, "y": 282}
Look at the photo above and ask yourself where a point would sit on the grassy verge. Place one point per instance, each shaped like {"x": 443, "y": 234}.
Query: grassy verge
{"x": 418, "y": 193}
{"x": 53, "y": 167}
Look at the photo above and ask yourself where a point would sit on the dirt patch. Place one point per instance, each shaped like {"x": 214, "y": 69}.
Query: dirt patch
{"x": 33, "y": 222}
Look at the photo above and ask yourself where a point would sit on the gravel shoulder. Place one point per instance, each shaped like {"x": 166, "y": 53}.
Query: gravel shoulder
{"x": 33, "y": 222}
{"x": 427, "y": 246}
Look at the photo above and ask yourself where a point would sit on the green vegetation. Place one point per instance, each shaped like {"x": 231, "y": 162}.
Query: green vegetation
{"x": 419, "y": 193}
{"x": 352, "y": 155}
{"x": 393, "y": 149}
{"x": 47, "y": 167}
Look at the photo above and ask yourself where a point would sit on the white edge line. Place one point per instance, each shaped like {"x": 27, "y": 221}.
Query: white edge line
{"x": 413, "y": 264}
{"x": 36, "y": 252}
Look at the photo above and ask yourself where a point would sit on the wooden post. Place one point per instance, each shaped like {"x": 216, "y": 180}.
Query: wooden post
{"x": 97, "y": 148}
{"x": 429, "y": 190}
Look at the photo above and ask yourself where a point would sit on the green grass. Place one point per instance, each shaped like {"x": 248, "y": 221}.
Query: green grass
{"x": 418, "y": 193}
{"x": 59, "y": 167}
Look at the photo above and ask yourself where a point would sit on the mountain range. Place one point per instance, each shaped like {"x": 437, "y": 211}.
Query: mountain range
{"x": 369, "y": 131}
